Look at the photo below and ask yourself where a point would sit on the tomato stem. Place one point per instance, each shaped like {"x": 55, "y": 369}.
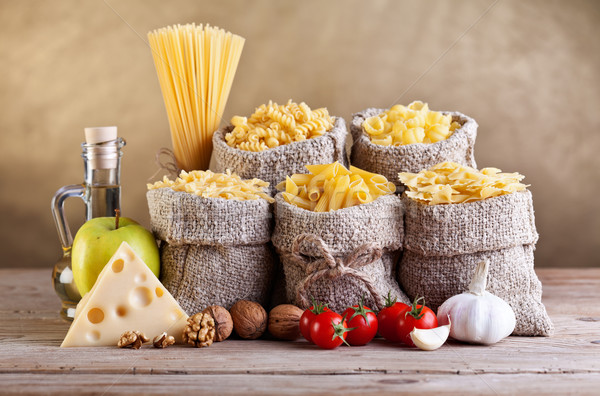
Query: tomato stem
{"x": 317, "y": 307}
{"x": 361, "y": 310}
{"x": 416, "y": 310}
{"x": 388, "y": 300}
{"x": 339, "y": 330}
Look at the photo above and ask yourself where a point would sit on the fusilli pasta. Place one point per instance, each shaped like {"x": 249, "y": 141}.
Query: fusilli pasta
{"x": 273, "y": 125}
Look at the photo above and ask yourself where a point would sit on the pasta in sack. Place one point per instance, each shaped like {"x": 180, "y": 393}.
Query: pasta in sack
{"x": 408, "y": 139}
{"x": 277, "y": 140}
{"x": 340, "y": 255}
{"x": 492, "y": 220}
{"x": 214, "y": 231}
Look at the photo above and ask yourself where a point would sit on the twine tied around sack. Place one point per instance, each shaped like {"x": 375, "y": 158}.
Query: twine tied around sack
{"x": 332, "y": 267}
{"x": 170, "y": 165}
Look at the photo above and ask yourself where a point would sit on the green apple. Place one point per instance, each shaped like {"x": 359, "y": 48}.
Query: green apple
{"x": 99, "y": 238}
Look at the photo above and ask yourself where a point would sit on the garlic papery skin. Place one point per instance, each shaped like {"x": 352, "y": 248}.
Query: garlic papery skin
{"x": 478, "y": 317}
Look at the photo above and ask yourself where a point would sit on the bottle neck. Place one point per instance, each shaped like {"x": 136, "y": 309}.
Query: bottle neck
{"x": 102, "y": 164}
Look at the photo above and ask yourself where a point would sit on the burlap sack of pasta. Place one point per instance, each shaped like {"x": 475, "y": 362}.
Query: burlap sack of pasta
{"x": 283, "y": 156}
{"x": 340, "y": 256}
{"x": 214, "y": 251}
{"x": 392, "y": 156}
{"x": 444, "y": 243}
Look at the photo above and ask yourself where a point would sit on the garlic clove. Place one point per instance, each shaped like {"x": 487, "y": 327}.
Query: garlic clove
{"x": 430, "y": 339}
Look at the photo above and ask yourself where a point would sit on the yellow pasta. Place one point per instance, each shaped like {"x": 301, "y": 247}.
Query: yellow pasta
{"x": 273, "y": 125}
{"x": 195, "y": 65}
{"x": 449, "y": 182}
{"x": 412, "y": 124}
{"x": 208, "y": 184}
{"x": 331, "y": 187}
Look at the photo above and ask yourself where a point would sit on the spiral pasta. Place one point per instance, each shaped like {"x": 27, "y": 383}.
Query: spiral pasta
{"x": 208, "y": 184}
{"x": 414, "y": 123}
{"x": 331, "y": 186}
{"x": 273, "y": 125}
{"x": 449, "y": 182}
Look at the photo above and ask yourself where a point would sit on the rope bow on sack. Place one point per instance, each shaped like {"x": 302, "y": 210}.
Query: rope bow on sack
{"x": 170, "y": 165}
{"x": 332, "y": 267}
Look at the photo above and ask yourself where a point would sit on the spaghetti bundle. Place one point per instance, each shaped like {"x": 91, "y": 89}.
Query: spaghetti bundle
{"x": 195, "y": 66}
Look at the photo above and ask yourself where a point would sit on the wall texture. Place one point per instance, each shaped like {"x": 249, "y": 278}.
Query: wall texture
{"x": 528, "y": 72}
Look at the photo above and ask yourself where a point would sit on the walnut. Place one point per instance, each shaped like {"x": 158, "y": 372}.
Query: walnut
{"x": 200, "y": 330}
{"x": 249, "y": 319}
{"x": 132, "y": 339}
{"x": 223, "y": 322}
{"x": 284, "y": 321}
{"x": 163, "y": 340}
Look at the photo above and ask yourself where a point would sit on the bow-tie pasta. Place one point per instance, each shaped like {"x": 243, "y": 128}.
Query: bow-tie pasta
{"x": 449, "y": 182}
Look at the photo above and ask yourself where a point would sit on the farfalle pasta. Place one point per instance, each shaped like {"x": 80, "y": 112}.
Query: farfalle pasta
{"x": 332, "y": 186}
{"x": 449, "y": 182}
{"x": 410, "y": 124}
{"x": 273, "y": 125}
{"x": 208, "y": 184}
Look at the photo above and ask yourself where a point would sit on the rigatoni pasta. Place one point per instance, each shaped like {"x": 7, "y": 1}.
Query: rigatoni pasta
{"x": 273, "y": 125}
{"x": 449, "y": 182}
{"x": 208, "y": 184}
{"x": 330, "y": 187}
{"x": 410, "y": 124}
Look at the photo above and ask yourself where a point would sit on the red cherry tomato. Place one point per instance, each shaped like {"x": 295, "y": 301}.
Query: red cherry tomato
{"x": 388, "y": 319}
{"x": 362, "y": 323}
{"x": 418, "y": 316}
{"x": 328, "y": 330}
{"x": 308, "y": 316}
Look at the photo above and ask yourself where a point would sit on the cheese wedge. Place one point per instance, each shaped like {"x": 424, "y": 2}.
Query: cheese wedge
{"x": 126, "y": 296}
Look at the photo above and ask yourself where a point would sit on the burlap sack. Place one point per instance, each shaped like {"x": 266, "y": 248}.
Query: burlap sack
{"x": 338, "y": 257}
{"x": 444, "y": 243}
{"x": 273, "y": 165}
{"x": 390, "y": 160}
{"x": 214, "y": 250}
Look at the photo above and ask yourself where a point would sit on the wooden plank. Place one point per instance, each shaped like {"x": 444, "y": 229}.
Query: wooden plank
{"x": 380, "y": 384}
{"x": 31, "y": 331}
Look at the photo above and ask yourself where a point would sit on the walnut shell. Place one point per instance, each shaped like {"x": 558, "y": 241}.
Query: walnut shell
{"x": 223, "y": 321}
{"x": 284, "y": 322}
{"x": 249, "y": 319}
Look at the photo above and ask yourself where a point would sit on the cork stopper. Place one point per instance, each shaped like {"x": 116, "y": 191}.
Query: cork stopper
{"x": 95, "y": 135}
{"x": 102, "y": 147}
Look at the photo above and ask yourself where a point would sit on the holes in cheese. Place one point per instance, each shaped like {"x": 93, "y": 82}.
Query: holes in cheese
{"x": 140, "y": 278}
{"x": 121, "y": 311}
{"x": 140, "y": 297}
{"x": 118, "y": 302}
{"x": 93, "y": 336}
{"x": 117, "y": 265}
{"x": 95, "y": 315}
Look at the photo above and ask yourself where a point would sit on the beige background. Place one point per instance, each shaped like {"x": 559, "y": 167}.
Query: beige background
{"x": 528, "y": 72}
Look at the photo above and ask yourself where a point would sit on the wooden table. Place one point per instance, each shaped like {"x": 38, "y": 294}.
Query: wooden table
{"x": 32, "y": 362}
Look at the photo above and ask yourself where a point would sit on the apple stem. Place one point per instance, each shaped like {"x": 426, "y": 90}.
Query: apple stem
{"x": 117, "y": 213}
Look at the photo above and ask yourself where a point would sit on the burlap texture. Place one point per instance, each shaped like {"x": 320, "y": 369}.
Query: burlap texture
{"x": 443, "y": 247}
{"x": 343, "y": 232}
{"x": 273, "y": 165}
{"x": 490, "y": 224}
{"x": 214, "y": 250}
{"x": 390, "y": 160}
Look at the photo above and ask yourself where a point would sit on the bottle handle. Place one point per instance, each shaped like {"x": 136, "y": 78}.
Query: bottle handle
{"x": 58, "y": 201}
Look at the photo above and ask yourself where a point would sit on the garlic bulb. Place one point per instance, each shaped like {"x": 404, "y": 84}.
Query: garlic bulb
{"x": 478, "y": 317}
